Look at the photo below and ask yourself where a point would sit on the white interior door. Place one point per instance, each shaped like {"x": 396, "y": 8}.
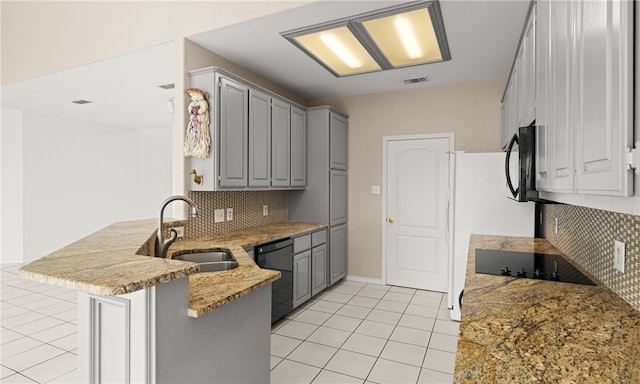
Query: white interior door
{"x": 417, "y": 180}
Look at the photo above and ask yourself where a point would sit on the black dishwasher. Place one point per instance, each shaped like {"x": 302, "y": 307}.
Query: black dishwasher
{"x": 278, "y": 256}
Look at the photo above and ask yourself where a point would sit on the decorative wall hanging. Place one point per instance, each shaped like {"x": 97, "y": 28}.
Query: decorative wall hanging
{"x": 197, "y": 140}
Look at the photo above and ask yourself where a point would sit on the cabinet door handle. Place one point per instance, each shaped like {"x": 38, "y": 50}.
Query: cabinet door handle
{"x": 390, "y": 220}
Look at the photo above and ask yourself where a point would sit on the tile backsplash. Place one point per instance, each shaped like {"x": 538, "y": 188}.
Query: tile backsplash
{"x": 587, "y": 236}
{"x": 247, "y": 211}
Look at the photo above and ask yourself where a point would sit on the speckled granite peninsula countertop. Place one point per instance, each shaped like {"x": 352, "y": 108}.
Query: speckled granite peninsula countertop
{"x": 114, "y": 261}
{"x": 531, "y": 331}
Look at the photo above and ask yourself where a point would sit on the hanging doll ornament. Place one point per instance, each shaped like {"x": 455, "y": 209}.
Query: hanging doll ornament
{"x": 197, "y": 139}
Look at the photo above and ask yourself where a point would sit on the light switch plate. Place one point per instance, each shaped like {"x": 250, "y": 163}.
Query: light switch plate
{"x": 265, "y": 210}
{"x": 229, "y": 214}
{"x": 618, "y": 255}
{"x": 218, "y": 216}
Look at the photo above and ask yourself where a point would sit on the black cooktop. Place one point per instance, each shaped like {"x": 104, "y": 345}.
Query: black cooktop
{"x": 528, "y": 265}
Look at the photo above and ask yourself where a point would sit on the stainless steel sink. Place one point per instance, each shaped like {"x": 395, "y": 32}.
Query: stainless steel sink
{"x": 210, "y": 260}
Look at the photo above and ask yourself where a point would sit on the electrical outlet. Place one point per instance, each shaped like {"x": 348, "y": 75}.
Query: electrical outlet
{"x": 375, "y": 189}
{"x": 180, "y": 231}
{"x": 218, "y": 216}
{"x": 265, "y": 210}
{"x": 229, "y": 214}
{"x": 556, "y": 226}
{"x": 618, "y": 255}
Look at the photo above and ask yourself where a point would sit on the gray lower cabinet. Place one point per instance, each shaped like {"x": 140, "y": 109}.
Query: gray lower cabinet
{"x": 309, "y": 265}
{"x": 337, "y": 253}
{"x": 301, "y": 278}
{"x": 318, "y": 269}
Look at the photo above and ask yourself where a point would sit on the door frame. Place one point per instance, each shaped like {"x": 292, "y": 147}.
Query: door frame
{"x": 385, "y": 140}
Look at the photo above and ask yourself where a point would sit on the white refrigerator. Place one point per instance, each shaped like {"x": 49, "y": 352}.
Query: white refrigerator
{"x": 481, "y": 206}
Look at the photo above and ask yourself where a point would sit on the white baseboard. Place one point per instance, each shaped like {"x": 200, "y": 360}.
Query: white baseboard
{"x": 361, "y": 279}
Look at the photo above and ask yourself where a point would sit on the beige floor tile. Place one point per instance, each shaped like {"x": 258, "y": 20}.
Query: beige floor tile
{"x": 404, "y": 353}
{"x": 329, "y": 336}
{"x": 391, "y": 372}
{"x": 313, "y": 354}
{"x": 51, "y": 369}
{"x": 440, "y": 361}
{"x": 291, "y": 372}
{"x": 351, "y": 364}
{"x": 428, "y": 376}
{"x": 328, "y": 377}
{"x": 365, "y": 344}
{"x": 343, "y": 323}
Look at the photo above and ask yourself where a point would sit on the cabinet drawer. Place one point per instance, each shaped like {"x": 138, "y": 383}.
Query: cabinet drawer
{"x": 318, "y": 238}
{"x": 301, "y": 243}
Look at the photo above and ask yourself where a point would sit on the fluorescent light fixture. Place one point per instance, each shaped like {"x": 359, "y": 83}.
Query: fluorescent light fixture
{"x": 338, "y": 49}
{"x": 398, "y": 36}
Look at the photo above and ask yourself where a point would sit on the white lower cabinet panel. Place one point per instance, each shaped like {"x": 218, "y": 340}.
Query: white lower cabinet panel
{"x": 113, "y": 338}
{"x": 147, "y": 337}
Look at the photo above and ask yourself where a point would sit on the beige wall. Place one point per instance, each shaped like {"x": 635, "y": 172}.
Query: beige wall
{"x": 470, "y": 110}
{"x": 42, "y": 37}
{"x": 197, "y": 57}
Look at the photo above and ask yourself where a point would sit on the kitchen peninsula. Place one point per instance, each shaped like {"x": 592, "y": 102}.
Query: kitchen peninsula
{"x": 148, "y": 319}
{"x": 535, "y": 331}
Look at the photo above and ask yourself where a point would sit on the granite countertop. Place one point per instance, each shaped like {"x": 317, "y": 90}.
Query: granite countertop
{"x": 115, "y": 260}
{"x": 531, "y": 331}
{"x": 208, "y": 291}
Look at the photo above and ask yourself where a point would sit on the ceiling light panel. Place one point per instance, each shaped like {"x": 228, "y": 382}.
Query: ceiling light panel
{"x": 405, "y": 39}
{"x": 338, "y": 49}
{"x": 398, "y": 36}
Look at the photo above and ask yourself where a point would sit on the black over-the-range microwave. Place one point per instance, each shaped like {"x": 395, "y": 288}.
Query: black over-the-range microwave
{"x": 520, "y": 165}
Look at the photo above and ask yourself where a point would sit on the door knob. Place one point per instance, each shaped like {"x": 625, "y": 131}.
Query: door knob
{"x": 390, "y": 220}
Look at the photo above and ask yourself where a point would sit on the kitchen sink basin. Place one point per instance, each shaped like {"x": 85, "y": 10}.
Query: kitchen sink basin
{"x": 210, "y": 261}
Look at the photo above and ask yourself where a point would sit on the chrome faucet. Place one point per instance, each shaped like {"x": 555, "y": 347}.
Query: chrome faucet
{"x": 162, "y": 244}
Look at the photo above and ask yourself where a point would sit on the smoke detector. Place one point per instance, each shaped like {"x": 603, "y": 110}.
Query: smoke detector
{"x": 81, "y": 101}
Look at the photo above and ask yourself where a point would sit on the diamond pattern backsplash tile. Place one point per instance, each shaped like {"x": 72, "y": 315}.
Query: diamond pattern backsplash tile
{"x": 247, "y": 211}
{"x": 587, "y": 236}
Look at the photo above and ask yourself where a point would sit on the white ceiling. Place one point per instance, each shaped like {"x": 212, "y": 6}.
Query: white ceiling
{"x": 124, "y": 90}
{"x": 482, "y": 38}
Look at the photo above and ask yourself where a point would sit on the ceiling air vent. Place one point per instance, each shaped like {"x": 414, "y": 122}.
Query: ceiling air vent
{"x": 81, "y": 101}
{"x": 416, "y": 80}
{"x": 167, "y": 86}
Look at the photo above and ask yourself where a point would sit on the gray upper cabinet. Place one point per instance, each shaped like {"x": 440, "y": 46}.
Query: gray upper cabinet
{"x": 604, "y": 96}
{"x": 584, "y": 99}
{"x": 259, "y": 139}
{"x": 526, "y": 74}
{"x": 234, "y": 133}
{"x": 561, "y": 95}
{"x": 281, "y": 144}
{"x": 298, "y": 147}
{"x": 543, "y": 18}
{"x": 338, "y": 145}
